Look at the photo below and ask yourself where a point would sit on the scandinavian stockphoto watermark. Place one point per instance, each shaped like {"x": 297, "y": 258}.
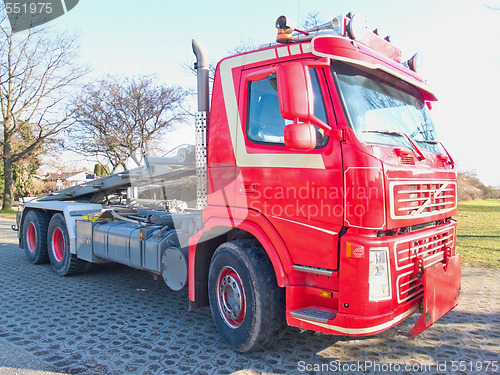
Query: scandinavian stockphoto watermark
{"x": 466, "y": 366}
{"x": 25, "y": 14}
{"x": 311, "y": 201}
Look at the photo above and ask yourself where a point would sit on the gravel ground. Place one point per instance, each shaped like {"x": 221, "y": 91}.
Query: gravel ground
{"x": 116, "y": 320}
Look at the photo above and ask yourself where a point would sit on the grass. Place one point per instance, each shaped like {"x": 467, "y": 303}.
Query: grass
{"x": 478, "y": 238}
{"x": 8, "y": 214}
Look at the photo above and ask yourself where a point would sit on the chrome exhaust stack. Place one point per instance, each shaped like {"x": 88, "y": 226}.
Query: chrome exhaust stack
{"x": 202, "y": 70}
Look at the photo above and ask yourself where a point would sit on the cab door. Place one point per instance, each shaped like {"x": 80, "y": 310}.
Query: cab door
{"x": 299, "y": 192}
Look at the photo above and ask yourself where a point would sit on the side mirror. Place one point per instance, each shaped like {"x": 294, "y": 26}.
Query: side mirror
{"x": 296, "y": 94}
{"x": 300, "y": 137}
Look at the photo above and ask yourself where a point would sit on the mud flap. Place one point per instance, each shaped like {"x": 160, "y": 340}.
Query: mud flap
{"x": 441, "y": 289}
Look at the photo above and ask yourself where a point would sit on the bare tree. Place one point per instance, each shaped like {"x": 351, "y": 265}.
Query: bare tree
{"x": 24, "y": 169}
{"x": 36, "y": 67}
{"x": 312, "y": 21}
{"x": 118, "y": 118}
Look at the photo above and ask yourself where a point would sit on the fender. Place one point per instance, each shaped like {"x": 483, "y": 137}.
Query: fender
{"x": 254, "y": 223}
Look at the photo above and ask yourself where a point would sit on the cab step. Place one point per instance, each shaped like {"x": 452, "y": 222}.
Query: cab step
{"x": 314, "y": 314}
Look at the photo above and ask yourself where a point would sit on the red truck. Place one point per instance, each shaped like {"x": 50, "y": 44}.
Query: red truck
{"x": 324, "y": 200}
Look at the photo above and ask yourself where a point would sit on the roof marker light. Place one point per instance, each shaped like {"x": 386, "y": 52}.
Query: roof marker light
{"x": 414, "y": 63}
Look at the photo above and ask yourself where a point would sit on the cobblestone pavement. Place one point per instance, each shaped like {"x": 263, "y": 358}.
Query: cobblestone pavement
{"x": 116, "y": 320}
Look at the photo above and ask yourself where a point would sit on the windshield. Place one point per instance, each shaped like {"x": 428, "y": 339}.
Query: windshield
{"x": 384, "y": 110}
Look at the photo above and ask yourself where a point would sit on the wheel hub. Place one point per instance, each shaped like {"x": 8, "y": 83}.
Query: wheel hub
{"x": 58, "y": 245}
{"x": 31, "y": 237}
{"x": 231, "y": 297}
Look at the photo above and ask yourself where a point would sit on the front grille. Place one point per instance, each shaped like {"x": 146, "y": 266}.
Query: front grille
{"x": 431, "y": 248}
{"x": 411, "y": 200}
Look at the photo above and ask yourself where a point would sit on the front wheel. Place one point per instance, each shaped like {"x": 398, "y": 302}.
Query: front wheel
{"x": 247, "y": 304}
{"x": 63, "y": 262}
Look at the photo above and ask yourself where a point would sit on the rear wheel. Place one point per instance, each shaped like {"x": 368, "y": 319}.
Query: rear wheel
{"x": 63, "y": 262}
{"x": 35, "y": 237}
{"x": 247, "y": 304}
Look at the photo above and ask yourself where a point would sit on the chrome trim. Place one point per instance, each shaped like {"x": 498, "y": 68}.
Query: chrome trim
{"x": 315, "y": 270}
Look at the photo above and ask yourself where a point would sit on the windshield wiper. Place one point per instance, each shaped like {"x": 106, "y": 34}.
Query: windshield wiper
{"x": 418, "y": 153}
{"x": 450, "y": 159}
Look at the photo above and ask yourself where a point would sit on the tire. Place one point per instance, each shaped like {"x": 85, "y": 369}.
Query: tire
{"x": 247, "y": 304}
{"x": 63, "y": 262}
{"x": 34, "y": 234}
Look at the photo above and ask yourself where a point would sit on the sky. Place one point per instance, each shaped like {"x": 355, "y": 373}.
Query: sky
{"x": 458, "y": 39}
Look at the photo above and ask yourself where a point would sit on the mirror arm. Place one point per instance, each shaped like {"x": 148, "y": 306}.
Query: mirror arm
{"x": 320, "y": 123}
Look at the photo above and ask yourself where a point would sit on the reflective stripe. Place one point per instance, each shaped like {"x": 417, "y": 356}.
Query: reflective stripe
{"x": 367, "y": 330}
{"x": 307, "y": 225}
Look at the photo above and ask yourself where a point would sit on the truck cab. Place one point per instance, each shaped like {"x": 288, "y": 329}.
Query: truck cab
{"x": 323, "y": 149}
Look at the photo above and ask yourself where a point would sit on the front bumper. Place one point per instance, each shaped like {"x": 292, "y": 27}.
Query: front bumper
{"x": 424, "y": 273}
{"x": 351, "y": 325}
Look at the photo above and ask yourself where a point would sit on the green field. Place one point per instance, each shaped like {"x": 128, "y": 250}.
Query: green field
{"x": 478, "y": 238}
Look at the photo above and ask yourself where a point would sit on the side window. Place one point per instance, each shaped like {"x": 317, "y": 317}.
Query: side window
{"x": 319, "y": 109}
{"x": 264, "y": 121}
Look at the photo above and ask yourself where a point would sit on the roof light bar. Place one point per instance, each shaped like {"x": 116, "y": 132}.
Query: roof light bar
{"x": 353, "y": 26}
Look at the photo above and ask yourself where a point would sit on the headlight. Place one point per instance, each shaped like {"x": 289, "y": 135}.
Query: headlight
{"x": 379, "y": 280}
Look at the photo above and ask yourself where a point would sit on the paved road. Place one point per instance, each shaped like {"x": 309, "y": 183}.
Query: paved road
{"x": 116, "y": 320}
